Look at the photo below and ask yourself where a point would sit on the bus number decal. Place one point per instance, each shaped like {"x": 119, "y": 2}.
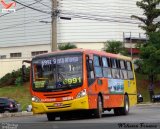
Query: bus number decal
{"x": 72, "y": 80}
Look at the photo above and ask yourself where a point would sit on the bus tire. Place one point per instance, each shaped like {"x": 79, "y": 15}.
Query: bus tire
{"x": 125, "y": 109}
{"x": 99, "y": 110}
{"x": 117, "y": 111}
{"x": 51, "y": 116}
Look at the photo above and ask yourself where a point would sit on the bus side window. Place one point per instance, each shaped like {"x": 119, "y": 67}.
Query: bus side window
{"x": 106, "y": 69}
{"x": 97, "y": 66}
{"x": 115, "y": 69}
{"x": 123, "y": 69}
{"x": 130, "y": 72}
{"x": 120, "y": 70}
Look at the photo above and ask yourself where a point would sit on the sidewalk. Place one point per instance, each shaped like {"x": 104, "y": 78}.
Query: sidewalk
{"x": 17, "y": 114}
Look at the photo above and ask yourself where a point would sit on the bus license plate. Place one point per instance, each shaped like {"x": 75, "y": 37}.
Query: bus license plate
{"x": 58, "y": 104}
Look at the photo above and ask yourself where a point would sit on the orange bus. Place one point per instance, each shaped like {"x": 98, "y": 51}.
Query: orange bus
{"x": 82, "y": 81}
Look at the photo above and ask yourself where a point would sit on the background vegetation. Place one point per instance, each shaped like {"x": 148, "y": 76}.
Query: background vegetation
{"x": 20, "y": 93}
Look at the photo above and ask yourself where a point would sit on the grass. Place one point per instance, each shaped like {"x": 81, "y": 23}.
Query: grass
{"x": 143, "y": 84}
{"x": 19, "y": 93}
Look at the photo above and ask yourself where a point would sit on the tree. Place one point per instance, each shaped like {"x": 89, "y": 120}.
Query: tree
{"x": 149, "y": 62}
{"x": 150, "y": 13}
{"x": 115, "y": 47}
{"x": 66, "y": 46}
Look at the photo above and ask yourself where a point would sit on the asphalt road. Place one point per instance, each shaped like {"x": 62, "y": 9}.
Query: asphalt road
{"x": 140, "y": 116}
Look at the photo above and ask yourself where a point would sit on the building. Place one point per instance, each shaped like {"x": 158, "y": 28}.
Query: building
{"x": 27, "y": 32}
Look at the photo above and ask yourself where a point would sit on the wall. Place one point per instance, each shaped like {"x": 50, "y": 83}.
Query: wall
{"x": 8, "y": 65}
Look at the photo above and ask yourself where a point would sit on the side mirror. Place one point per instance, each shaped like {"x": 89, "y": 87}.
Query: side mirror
{"x": 24, "y": 72}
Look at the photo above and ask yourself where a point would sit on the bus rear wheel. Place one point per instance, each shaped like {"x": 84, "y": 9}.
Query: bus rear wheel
{"x": 123, "y": 110}
{"x": 51, "y": 116}
{"x": 99, "y": 110}
{"x": 117, "y": 111}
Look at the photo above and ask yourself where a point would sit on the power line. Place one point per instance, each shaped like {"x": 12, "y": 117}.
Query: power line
{"x": 20, "y": 8}
{"x": 23, "y": 23}
{"x": 32, "y": 7}
{"x": 97, "y": 15}
{"x": 90, "y": 17}
{"x": 44, "y": 4}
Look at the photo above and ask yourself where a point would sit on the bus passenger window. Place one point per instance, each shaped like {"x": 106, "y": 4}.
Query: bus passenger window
{"x": 130, "y": 72}
{"x": 107, "y": 72}
{"x": 115, "y": 73}
{"x": 97, "y": 67}
{"x": 129, "y": 67}
{"x": 115, "y": 70}
{"x": 130, "y": 75}
{"x": 106, "y": 69}
{"x": 124, "y": 72}
{"x": 113, "y": 61}
{"x": 105, "y": 62}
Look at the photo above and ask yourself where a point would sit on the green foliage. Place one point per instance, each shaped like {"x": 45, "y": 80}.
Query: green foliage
{"x": 115, "y": 47}
{"x": 18, "y": 81}
{"x": 14, "y": 78}
{"x": 66, "y": 46}
{"x": 150, "y": 13}
{"x": 149, "y": 62}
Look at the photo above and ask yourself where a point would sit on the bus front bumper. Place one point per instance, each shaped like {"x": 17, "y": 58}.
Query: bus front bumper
{"x": 71, "y": 105}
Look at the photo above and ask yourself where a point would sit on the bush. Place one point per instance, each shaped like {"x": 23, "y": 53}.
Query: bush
{"x": 18, "y": 81}
{"x": 14, "y": 78}
{"x": 66, "y": 46}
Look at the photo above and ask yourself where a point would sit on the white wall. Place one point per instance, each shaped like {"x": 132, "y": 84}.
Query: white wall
{"x": 25, "y": 50}
{"x": 8, "y": 65}
{"x": 97, "y": 21}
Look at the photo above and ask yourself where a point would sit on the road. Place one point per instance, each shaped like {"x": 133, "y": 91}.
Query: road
{"x": 138, "y": 114}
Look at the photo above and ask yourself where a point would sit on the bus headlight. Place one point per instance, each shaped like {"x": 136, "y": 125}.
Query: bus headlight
{"x": 82, "y": 94}
{"x": 35, "y": 99}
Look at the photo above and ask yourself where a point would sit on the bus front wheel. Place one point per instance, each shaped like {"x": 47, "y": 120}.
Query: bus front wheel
{"x": 51, "y": 116}
{"x": 99, "y": 110}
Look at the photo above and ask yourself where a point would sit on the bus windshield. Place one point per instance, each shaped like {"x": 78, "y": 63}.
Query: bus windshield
{"x": 57, "y": 72}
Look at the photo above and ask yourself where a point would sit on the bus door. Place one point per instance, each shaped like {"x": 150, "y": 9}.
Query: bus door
{"x": 91, "y": 83}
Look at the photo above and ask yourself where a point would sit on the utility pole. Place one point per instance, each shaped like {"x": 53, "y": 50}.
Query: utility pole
{"x": 54, "y": 25}
{"x": 131, "y": 45}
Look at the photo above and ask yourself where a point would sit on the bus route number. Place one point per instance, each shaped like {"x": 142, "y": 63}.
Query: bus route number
{"x": 72, "y": 80}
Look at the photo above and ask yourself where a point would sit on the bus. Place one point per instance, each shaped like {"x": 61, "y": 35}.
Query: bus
{"x": 82, "y": 81}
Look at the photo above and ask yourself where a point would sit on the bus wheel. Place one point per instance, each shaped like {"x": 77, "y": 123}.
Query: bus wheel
{"x": 99, "y": 110}
{"x": 51, "y": 116}
{"x": 117, "y": 111}
{"x": 125, "y": 109}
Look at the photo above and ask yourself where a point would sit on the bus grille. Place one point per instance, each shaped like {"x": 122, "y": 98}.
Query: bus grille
{"x": 58, "y": 95}
{"x": 62, "y": 106}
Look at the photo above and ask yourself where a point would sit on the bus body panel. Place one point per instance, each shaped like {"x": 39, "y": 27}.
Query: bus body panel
{"x": 113, "y": 101}
{"x": 71, "y": 105}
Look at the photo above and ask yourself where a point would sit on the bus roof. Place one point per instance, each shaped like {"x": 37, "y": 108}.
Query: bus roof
{"x": 88, "y": 51}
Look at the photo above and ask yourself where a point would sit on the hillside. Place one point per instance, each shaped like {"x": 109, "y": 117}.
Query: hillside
{"x": 19, "y": 93}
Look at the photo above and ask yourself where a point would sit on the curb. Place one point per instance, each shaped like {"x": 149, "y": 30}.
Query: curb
{"x": 18, "y": 114}
{"x": 147, "y": 104}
